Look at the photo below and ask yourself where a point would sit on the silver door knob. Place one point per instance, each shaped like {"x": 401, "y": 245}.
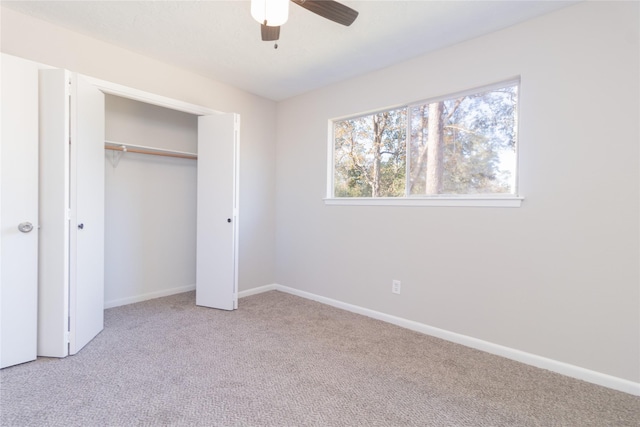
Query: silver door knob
{"x": 25, "y": 227}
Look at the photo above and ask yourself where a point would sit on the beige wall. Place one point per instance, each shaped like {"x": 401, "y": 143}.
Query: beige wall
{"x": 40, "y": 41}
{"x": 558, "y": 277}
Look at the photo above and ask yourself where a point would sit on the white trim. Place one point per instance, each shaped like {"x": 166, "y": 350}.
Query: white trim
{"x": 258, "y": 290}
{"x": 497, "y": 201}
{"x": 562, "y": 368}
{"x": 148, "y": 296}
{"x": 149, "y": 98}
{"x": 331, "y": 156}
{"x": 236, "y": 207}
{"x": 513, "y": 81}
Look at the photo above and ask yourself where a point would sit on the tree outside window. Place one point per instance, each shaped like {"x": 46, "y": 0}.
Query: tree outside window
{"x": 462, "y": 145}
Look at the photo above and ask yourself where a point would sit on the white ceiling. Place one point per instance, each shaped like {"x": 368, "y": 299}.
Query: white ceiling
{"x": 220, "y": 40}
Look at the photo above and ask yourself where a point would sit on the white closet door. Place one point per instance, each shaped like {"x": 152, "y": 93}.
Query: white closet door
{"x": 53, "y": 251}
{"x": 86, "y": 290}
{"x": 18, "y": 205}
{"x": 217, "y": 212}
{"x": 71, "y": 260}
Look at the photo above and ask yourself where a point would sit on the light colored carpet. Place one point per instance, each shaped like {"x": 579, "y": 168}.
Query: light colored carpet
{"x": 281, "y": 360}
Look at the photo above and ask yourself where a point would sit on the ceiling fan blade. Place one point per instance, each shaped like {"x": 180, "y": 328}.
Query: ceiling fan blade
{"x": 330, "y": 9}
{"x": 269, "y": 34}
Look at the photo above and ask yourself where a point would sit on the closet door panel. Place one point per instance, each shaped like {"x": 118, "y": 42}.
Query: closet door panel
{"x": 217, "y": 213}
{"x": 53, "y": 250}
{"x": 86, "y": 298}
{"x": 19, "y": 205}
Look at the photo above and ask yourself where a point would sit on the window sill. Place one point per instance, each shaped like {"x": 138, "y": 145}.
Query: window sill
{"x": 479, "y": 201}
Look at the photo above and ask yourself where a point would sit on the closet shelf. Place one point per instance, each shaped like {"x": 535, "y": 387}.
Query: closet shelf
{"x": 142, "y": 149}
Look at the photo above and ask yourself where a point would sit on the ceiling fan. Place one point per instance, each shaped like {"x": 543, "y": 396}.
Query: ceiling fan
{"x": 271, "y": 14}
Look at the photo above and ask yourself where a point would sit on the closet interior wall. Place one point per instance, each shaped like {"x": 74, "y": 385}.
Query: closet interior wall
{"x": 150, "y": 203}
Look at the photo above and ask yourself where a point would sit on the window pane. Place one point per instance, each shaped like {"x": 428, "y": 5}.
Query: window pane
{"x": 370, "y": 155}
{"x": 464, "y": 145}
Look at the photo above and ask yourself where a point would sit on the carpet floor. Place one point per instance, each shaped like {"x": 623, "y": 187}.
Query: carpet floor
{"x": 281, "y": 360}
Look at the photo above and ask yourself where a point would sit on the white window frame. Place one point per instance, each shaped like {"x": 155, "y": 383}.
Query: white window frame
{"x": 447, "y": 200}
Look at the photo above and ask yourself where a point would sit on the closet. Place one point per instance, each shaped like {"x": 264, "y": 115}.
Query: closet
{"x": 135, "y": 232}
{"x": 150, "y": 201}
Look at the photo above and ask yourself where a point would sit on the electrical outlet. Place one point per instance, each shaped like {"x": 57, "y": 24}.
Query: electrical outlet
{"x": 395, "y": 286}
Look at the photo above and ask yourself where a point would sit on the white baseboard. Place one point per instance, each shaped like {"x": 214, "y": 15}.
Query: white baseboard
{"x": 147, "y": 296}
{"x": 569, "y": 370}
{"x": 257, "y": 290}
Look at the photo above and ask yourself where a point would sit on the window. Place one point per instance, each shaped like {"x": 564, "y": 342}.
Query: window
{"x": 457, "y": 147}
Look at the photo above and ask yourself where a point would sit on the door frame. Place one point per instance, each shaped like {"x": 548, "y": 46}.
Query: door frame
{"x": 150, "y": 98}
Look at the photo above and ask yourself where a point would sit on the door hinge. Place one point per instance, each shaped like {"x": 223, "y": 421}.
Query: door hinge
{"x": 66, "y": 337}
{"x": 68, "y": 216}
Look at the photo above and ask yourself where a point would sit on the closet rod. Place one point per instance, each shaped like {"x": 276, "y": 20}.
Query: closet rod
{"x": 130, "y": 148}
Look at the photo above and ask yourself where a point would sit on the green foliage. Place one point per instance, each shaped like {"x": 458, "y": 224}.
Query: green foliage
{"x": 477, "y": 134}
{"x": 479, "y": 138}
{"x": 370, "y": 155}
